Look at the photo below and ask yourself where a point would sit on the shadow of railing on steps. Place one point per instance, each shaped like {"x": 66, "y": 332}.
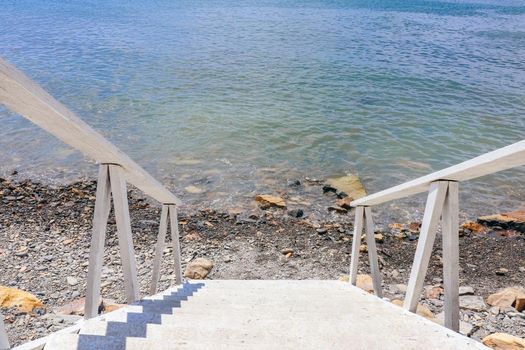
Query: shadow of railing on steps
{"x": 136, "y": 323}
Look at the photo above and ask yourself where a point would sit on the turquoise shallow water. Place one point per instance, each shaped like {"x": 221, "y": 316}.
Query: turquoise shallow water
{"x": 234, "y": 96}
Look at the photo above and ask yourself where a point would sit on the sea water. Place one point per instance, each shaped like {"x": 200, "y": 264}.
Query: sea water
{"x": 235, "y": 97}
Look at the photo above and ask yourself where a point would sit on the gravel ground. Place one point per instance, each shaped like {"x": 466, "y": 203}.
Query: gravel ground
{"x": 45, "y": 238}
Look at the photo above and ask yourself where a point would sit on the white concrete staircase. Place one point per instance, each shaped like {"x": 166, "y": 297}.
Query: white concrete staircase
{"x": 261, "y": 315}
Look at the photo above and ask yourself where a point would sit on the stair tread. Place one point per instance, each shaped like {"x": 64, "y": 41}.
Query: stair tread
{"x": 224, "y": 315}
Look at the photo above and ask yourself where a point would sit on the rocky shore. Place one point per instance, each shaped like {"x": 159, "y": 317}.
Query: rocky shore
{"x": 45, "y": 236}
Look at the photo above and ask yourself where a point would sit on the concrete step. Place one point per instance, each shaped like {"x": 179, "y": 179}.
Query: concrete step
{"x": 263, "y": 315}
{"x": 254, "y": 286}
{"x": 86, "y": 342}
{"x": 285, "y": 335}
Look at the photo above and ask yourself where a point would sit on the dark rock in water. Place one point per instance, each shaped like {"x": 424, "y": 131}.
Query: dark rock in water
{"x": 328, "y": 188}
{"x": 296, "y": 213}
{"x": 294, "y": 183}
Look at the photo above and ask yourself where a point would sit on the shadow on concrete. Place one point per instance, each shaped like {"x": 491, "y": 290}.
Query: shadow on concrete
{"x": 136, "y": 323}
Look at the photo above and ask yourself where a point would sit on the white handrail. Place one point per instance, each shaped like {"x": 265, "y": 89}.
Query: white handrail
{"x": 501, "y": 159}
{"x": 23, "y": 96}
{"x": 442, "y": 205}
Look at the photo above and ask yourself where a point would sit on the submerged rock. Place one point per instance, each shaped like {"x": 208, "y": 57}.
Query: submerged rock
{"x": 268, "y": 200}
{"x": 193, "y": 189}
{"x": 349, "y": 184}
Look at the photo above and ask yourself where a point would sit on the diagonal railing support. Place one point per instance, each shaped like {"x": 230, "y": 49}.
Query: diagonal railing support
{"x": 174, "y": 226}
{"x": 168, "y": 210}
{"x": 159, "y": 249}
{"x": 442, "y": 202}
{"x": 4, "y": 342}
{"x": 356, "y": 243}
{"x": 363, "y": 218}
{"x": 98, "y": 237}
{"x": 372, "y": 252}
{"x": 110, "y": 182}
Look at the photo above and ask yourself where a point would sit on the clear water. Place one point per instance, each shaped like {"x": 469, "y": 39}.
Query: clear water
{"x": 237, "y": 96}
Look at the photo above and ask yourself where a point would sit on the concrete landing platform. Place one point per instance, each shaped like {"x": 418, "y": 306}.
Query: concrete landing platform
{"x": 285, "y": 314}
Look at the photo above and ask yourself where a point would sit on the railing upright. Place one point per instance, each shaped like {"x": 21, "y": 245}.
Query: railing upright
{"x": 28, "y": 99}
{"x": 442, "y": 205}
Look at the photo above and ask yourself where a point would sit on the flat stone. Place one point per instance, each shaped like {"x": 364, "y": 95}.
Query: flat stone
{"x": 473, "y": 227}
{"x": 433, "y": 292}
{"x": 19, "y": 299}
{"x": 269, "y": 200}
{"x": 72, "y": 281}
{"x": 466, "y": 290}
{"x": 472, "y": 302}
{"x": 502, "y": 271}
{"x": 399, "y": 288}
{"x": 421, "y": 309}
{"x": 465, "y": 328}
{"x": 508, "y": 297}
{"x": 365, "y": 283}
{"x": 75, "y": 307}
{"x": 286, "y": 251}
{"x": 503, "y": 341}
{"x": 512, "y": 220}
{"x": 198, "y": 268}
